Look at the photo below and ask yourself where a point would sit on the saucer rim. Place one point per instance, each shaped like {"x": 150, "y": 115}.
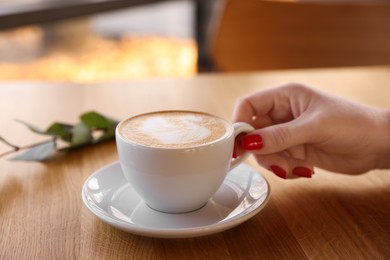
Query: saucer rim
{"x": 156, "y": 232}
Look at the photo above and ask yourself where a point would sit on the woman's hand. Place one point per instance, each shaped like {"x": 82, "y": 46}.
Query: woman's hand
{"x": 298, "y": 128}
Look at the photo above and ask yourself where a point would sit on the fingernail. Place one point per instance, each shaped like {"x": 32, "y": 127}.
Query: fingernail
{"x": 302, "y": 172}
{"x": 278, "y": 171}
{"x": 252, "y": 142}
{"x": 234, "y": 156}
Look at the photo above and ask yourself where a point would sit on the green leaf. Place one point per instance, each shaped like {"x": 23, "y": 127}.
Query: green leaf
{"x": 114, "y": 122}
{"x": 93, "y": 128}
{"x": 107, "y": 135}
{"x": 63, "y": 131}
{"x": 95, "y": 120}
{"x": 38, "y": 152}
{"x": 32, "y": 127}
{"x": 82, "y": 135}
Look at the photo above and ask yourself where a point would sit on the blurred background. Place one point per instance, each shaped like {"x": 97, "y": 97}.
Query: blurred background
{"x": 87, "y": 41}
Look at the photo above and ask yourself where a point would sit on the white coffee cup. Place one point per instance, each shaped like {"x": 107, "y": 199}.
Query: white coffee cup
{"x": 176, "y": 175}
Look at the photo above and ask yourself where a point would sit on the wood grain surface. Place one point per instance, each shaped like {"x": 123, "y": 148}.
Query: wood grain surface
{"x": 330, "y": 216}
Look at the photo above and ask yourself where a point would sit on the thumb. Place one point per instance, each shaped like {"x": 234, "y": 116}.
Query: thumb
{"x": 276, "y": 138}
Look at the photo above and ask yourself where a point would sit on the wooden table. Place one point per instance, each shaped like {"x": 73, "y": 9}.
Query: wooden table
{"x": 330, "y": 216}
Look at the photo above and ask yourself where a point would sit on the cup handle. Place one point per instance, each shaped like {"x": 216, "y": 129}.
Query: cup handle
{"x": 239, "y": 128}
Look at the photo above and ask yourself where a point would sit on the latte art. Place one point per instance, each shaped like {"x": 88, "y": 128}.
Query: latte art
{"x": 173, "y": 129}
{"x": 185, "y": 129}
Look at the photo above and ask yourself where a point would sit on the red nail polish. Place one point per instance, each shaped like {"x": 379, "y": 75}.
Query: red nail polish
{"x": 234, "y": 156}
{"x": 302, "y": 172}
{"x": 278, "y": 171}
{"x": 252, "y": 142}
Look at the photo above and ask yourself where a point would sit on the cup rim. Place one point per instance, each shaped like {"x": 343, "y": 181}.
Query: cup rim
{"x": 229, "y": 131}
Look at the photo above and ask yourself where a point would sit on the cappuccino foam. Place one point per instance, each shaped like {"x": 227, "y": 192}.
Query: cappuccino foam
{"x": 173, "y": 129}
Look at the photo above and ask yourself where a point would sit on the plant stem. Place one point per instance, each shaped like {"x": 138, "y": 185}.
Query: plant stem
{"x": 8, "y": 143}
{"x": 18, "y": 148}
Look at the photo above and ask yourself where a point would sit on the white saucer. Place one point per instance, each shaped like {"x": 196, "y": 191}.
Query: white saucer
{"x": 109, "y": 197}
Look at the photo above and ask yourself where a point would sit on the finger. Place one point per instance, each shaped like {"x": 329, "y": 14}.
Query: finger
{"x": 244, "y": 111}
{"x": 275, "y": 163}
{"x": 297, "y": 152}
{"x": 277, "y": 138}
{"x": 280, "y": 104}
{"x": 300, "y": 168}
{"x": 285, "y": 167}
{"x": 237, "y": 150}
{"x": 298, "y": 165}
{"x": 254, "y": 107}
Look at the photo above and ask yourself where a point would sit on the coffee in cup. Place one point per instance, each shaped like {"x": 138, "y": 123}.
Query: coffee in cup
{"x": 176, "y": 160}
{"x": 173, "y": 129}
